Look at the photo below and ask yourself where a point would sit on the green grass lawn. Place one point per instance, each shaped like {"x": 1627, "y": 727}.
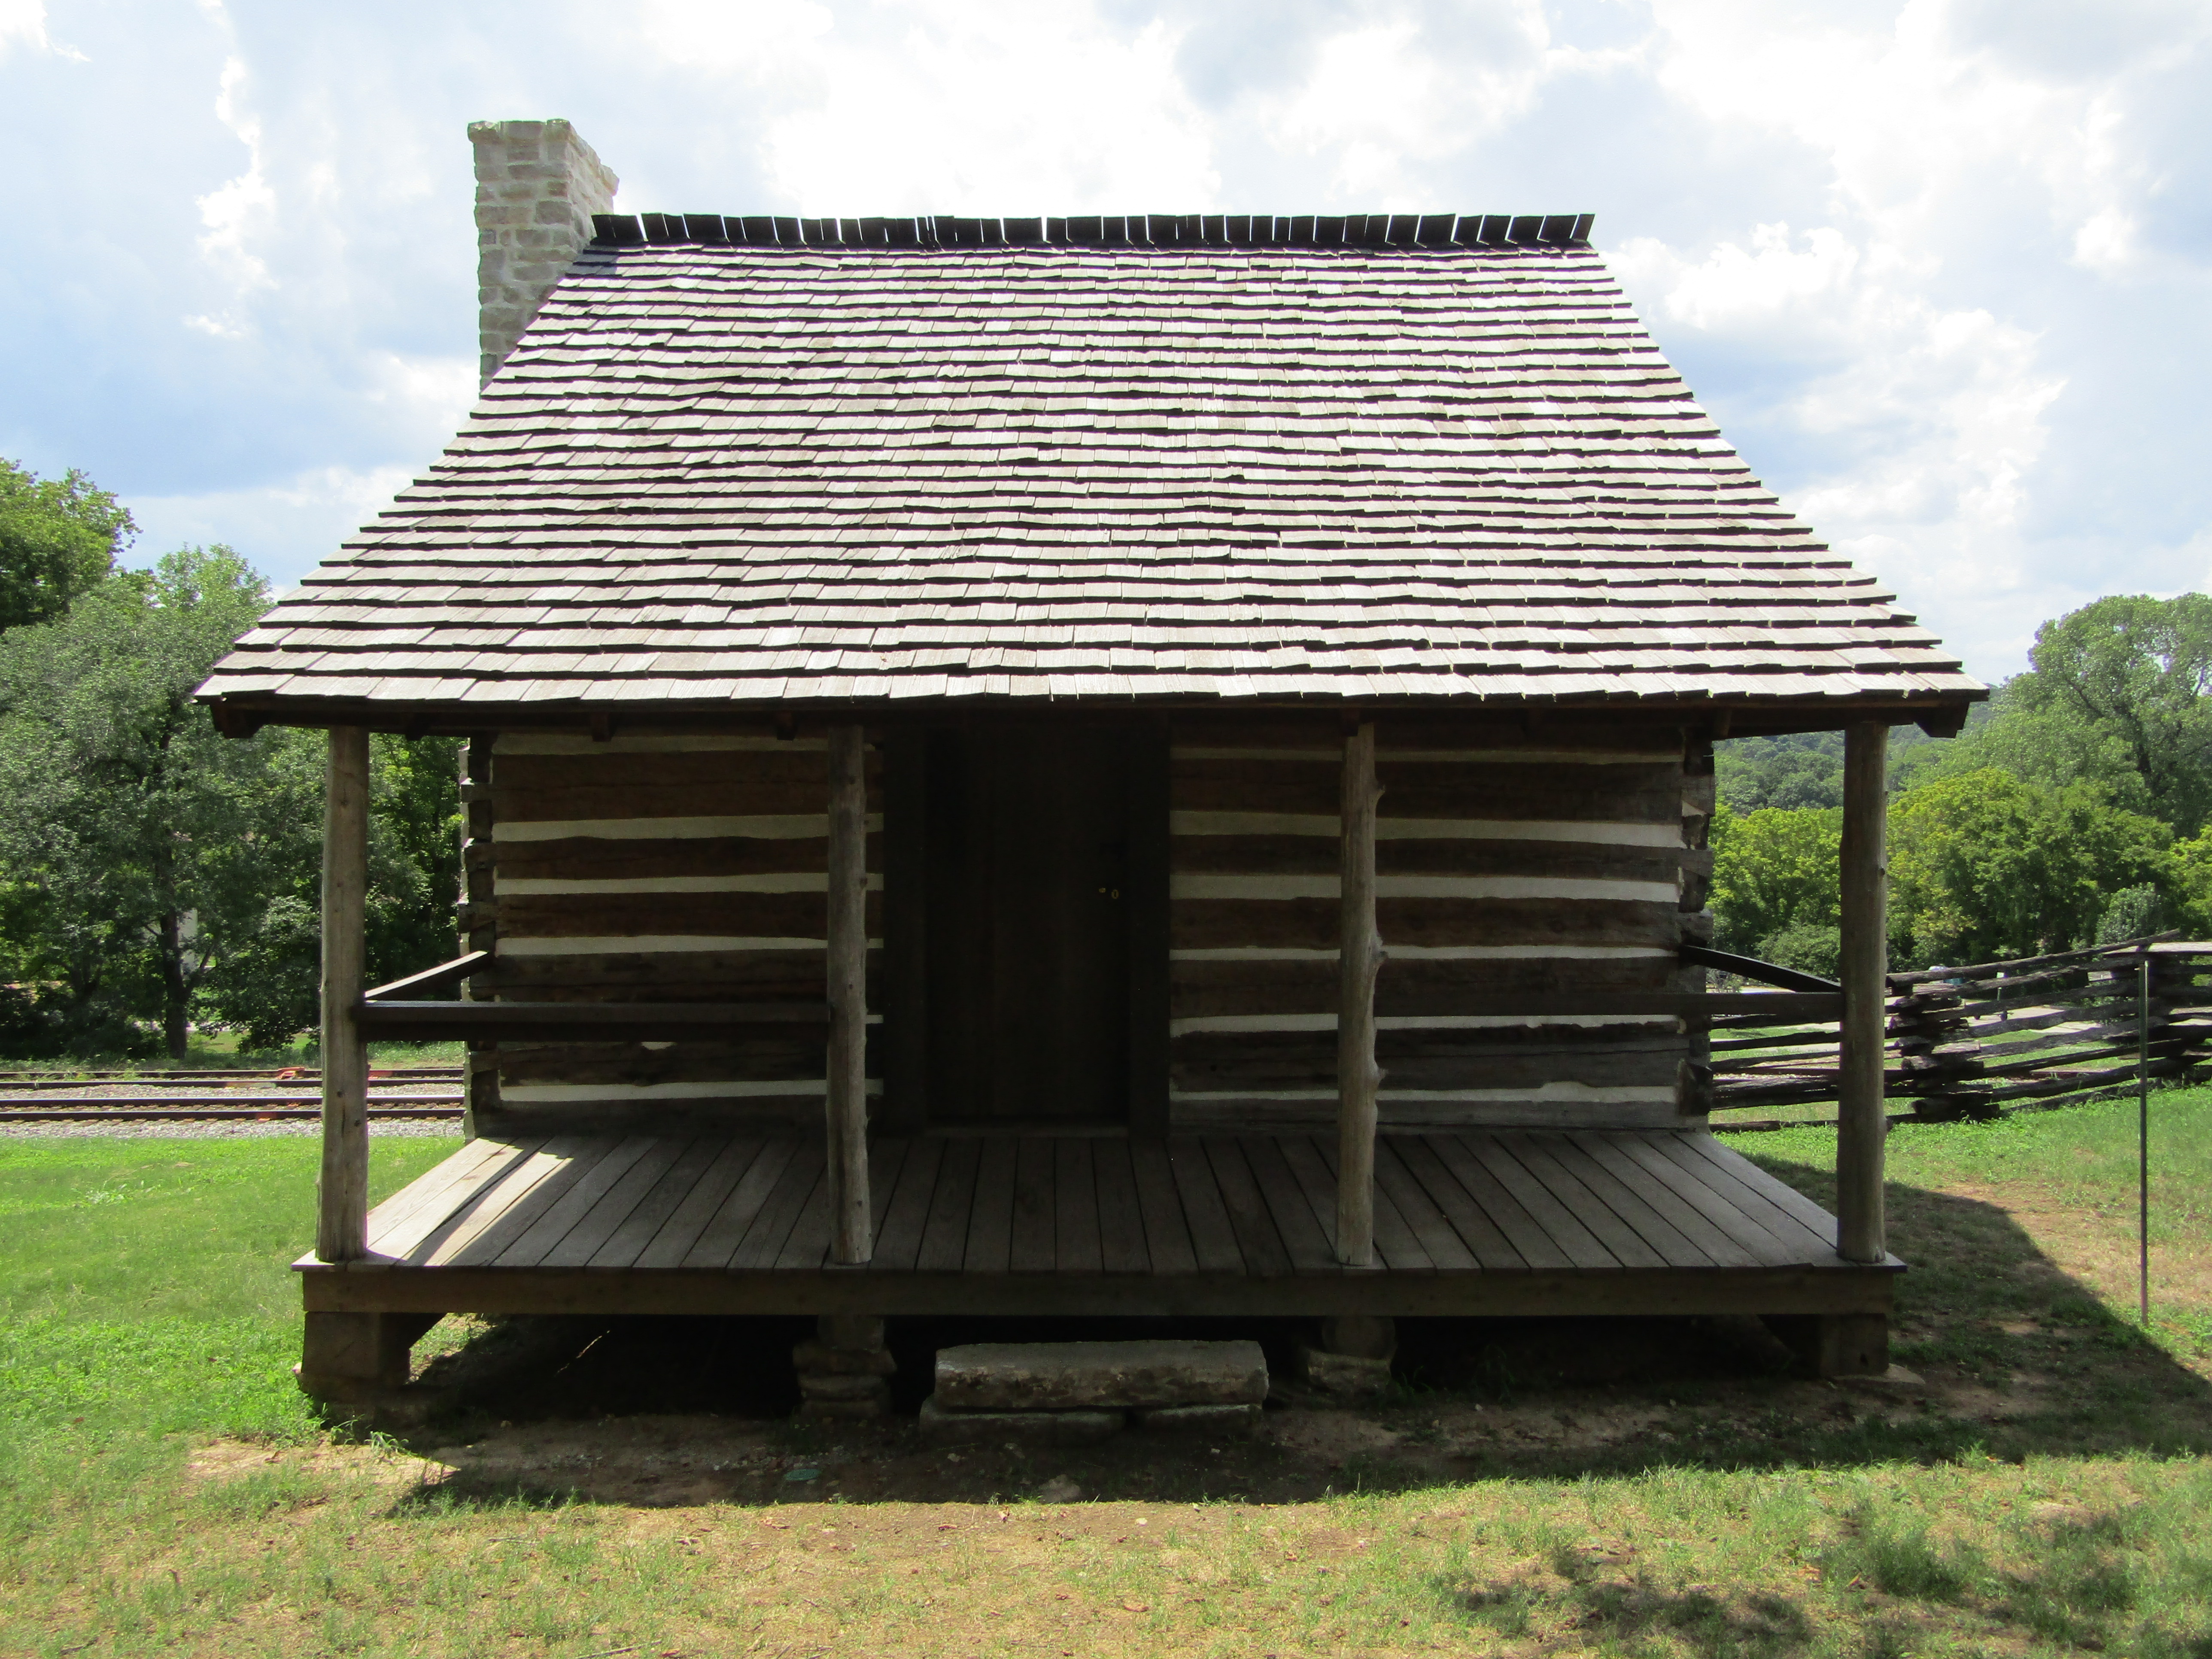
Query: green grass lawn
{"x": 163, "y": 1488}
{"x": 145, "y": 1286}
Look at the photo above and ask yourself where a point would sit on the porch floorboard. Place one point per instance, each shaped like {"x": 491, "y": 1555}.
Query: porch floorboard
{"x": 1476, "y": 1221}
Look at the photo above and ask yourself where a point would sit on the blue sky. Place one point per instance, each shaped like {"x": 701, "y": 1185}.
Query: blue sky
{"x": 1942, "y": 269}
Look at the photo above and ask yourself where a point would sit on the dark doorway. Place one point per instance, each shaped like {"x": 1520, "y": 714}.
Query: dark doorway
{"x": 1026, "y": 872}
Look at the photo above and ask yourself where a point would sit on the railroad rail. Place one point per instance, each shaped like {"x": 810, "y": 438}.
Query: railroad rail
{"x": 62, "y": 1078}
{"x": 130, "y": 1111}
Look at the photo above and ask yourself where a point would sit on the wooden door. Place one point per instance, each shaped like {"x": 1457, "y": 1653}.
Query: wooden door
{"x": 1027, "y": 927}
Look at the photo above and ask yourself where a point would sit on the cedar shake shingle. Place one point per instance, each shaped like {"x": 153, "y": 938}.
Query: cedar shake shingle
{"x": 712, "y": 472}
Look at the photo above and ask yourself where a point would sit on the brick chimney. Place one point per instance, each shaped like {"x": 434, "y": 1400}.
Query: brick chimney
{"x": 537, "y": 187}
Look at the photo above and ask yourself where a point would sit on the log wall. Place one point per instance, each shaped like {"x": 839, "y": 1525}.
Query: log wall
{"x": 686, "y": 869}
{"x": 694, "y": 868}
{"x": 1503, "y": 863}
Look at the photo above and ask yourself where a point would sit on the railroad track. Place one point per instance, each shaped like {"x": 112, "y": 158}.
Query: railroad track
{"x": 306, "y": 1076}
{"x": 155, "y": 1111}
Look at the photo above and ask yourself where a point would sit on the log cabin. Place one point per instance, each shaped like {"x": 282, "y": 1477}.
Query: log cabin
{"x": 1110, "y": 765}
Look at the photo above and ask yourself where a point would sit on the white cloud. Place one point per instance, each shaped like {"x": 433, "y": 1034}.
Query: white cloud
{"x": 1366, "y": 141}
{"x": 283, "y": 528}
{"x": 2106, "y": 241}
{"x": 1929, "y": 420}
{"x": 429, "y": 394}
{"x": 1936, "y": 265}
{"x": 23, "y": 22}
{"x": 981, "y": 105}
{"x": 237, "y": 213}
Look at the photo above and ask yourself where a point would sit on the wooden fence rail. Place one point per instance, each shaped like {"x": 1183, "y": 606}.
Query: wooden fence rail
{"x": 1980, "y": 1040}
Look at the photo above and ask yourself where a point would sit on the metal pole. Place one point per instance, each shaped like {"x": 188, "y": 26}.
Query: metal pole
{"x": 1861, "y": 1123}
{"x": 2143, "y": 1130}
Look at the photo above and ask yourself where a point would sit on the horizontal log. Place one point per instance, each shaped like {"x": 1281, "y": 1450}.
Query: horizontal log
{"x": 617, "y": 1114}
{"x": 1408, "y": 985}
{"x": 730, "y": 797}
{"x": 658, "y": 975}
{"x": 2029, "y": 1004}
{"x": 1634, "y": 795}
{"x": 2090, "y": 1078}
{"x": 2076, "y": 1032}
{"x": 1979, "y": 970}
{"x": 615, "y": 915}
{"x": 705, "y": 769}
{"x": 1768, "y": 1097}
{"x": 2118, "y": 1086}
{"x": 1262, "y": 1114}
{"x": 2119, "y": 1011}
{"x": 1396, "y": 1043}
{"x": 1317, "y": 855}
{"x": 2070, "y": 1058}
{"x": 430, "y": 1022}
{"x": 1294, "y": 1066}
{"x": 1213, "y": 924}
{"x": 596, "y": 857}
{"x": 1321, "y": 733}
{"x": 774, "y": 1056}
{"x": 1776, "y": 1040}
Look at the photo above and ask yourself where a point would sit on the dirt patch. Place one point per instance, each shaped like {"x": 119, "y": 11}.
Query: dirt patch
{"x": 2100, "y": 1249}
{"x": 238, "y": 1460}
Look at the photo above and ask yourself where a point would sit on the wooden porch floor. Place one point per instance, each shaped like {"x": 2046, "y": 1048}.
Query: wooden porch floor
{"x": 1475, "y": 1222}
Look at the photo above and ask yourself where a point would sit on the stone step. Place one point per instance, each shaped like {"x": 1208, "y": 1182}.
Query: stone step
{"x": 1102, "y": 1376}
{"x": 940, "y": 1427}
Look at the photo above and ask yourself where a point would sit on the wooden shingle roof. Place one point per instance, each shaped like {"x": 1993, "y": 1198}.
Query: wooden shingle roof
{"x": 1028, "y": 459}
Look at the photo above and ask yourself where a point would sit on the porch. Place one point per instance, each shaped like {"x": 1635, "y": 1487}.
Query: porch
{"x": 1472, "y": 1223}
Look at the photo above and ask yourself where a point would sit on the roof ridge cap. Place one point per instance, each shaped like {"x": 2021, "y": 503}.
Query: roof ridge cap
{"x": 1460, "y": 231}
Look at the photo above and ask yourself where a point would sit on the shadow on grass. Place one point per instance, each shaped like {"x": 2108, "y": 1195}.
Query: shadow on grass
{"x": 2080, "y": 1581}
{"x": 2018, "y": 1358}
{"x": 1630, "y": 1613}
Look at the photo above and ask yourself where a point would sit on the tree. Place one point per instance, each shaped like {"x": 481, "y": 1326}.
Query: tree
{"x": 1802, "y": 769}
{"x": 110, "y": 778}
{"x": 156, "y": 871}
{"x": 263, "y": 928}
{"x": 2117, "y": 697}
{"x": 1984, "y": 865}
{"x": 1775, "y": 876}
{"x": 58, "y": 538}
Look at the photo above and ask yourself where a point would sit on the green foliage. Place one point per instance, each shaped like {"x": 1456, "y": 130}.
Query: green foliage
{"x": 1774, "y": 870}
{"x": 112, "y": 780}
{"x": 1792, "y": 773}
{"x": 1985, "y": 864}
{"x": 264, "y": 937}
{"x": 2129, "y": 676}
{"x": 2117, "y": 698}
{"x": 2133, "y": 913}
{"x": 156, "y": 873}
{"x": 58, "y": 538}
{"x": 1804, "y": 769}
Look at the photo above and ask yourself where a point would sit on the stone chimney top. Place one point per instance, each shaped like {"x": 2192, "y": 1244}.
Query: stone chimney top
{"x": 537, "y": 187}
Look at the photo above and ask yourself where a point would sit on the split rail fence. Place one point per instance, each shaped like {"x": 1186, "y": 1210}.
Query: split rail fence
{"x": 1998, "y": 1036}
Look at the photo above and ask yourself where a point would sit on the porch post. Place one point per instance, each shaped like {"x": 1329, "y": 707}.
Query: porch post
{"x": 1861, "y": 1123}
{"x": 342, "y": 1224}
{"x": 851, "y": 1229}
{"x": 1359, "y": 958}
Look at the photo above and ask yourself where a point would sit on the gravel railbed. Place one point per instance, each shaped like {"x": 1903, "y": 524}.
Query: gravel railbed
{"x": 222, "y": 1128}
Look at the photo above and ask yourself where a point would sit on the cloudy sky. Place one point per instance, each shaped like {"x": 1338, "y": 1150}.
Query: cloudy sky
{"x": 1942, "y": 269}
